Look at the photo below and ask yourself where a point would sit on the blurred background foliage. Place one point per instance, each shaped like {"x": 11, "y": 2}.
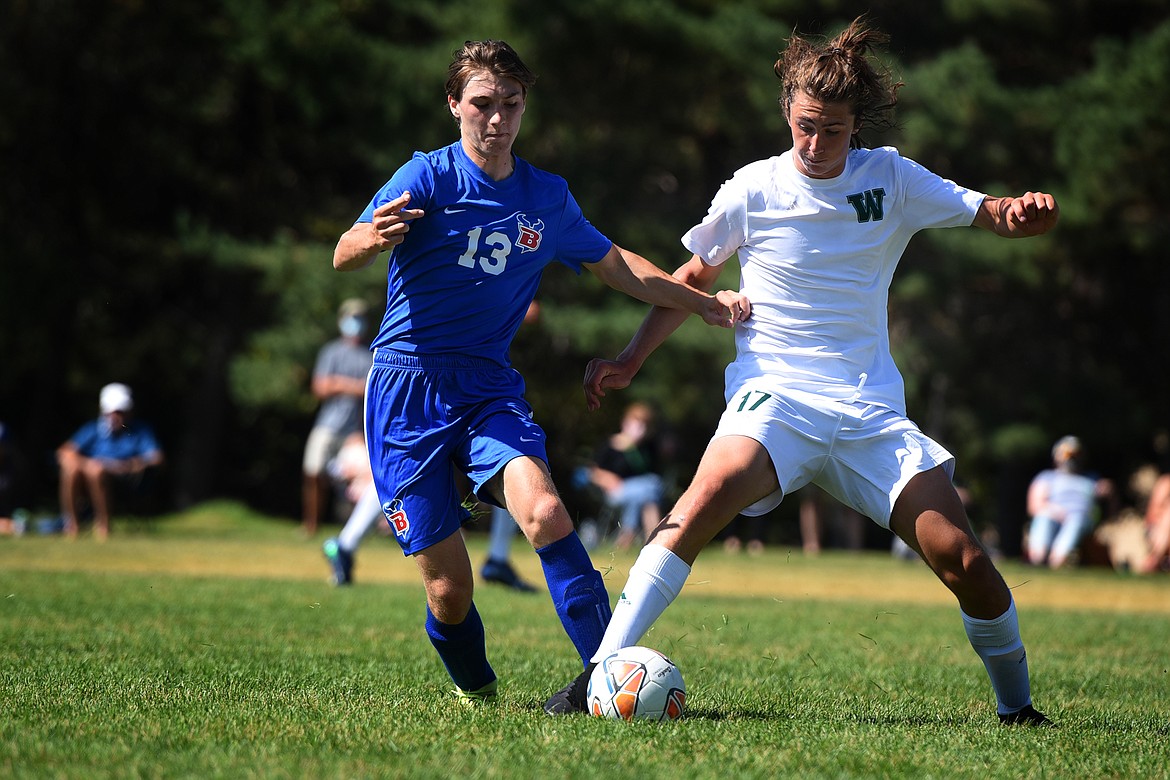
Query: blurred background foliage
{"x": 173, "y": 178}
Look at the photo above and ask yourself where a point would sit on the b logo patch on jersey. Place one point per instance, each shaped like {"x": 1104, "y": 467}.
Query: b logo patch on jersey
{"x": 396, "y": 516}
{"x": 530, "y": 233}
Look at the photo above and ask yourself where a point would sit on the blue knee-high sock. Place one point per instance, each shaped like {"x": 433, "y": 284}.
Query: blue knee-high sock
{"x": 577, "y": 592}
{"x": 463, "y": 649}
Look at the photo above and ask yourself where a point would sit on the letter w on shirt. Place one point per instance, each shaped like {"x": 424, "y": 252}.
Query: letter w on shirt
{"x": 868, "y": 204}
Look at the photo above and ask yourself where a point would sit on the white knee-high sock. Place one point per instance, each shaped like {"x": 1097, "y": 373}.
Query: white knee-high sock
{"x": 500, "y": 538}
{"x": 366, "y": 512}
{"x": 655, "y": 581}
{"x": 998, "y": 643}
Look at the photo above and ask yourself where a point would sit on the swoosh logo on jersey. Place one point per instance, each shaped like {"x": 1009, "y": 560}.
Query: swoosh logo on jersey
{"x": 450, "y": 210}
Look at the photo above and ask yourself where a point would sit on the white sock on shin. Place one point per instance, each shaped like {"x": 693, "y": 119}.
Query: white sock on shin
{"x": 998, "y": 644}
{"x": 655, "y": 581}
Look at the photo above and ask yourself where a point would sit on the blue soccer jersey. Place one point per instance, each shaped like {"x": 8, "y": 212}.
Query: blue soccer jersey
{"x": 461, "y": 281}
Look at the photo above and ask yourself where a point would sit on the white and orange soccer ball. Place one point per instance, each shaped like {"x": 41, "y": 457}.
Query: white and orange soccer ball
{"x": 636, "y": 682}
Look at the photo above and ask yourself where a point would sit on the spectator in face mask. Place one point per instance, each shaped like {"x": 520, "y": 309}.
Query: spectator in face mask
{"x": 339, "y": 382}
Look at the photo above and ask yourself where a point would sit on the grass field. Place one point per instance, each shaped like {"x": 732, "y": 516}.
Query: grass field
{"x": 209, "y": 645}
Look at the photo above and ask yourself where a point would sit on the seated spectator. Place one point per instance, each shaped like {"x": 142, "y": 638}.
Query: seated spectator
{"x": 1062, "y": 502}
{"x": 627, "y": 468}
{"x": 114, "y": 449}
{"x": 12, "y": 521}
{"x": 1158, "y": 527}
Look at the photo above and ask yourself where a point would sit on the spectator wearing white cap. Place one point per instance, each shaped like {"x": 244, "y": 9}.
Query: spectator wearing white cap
{"x": 112, "y": 448}
{"x": 339, "y": 382}
{"x": 1063, "y": 504}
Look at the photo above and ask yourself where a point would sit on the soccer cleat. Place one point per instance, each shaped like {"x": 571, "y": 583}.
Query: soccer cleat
{"x": 340, "y": 560}
{"x": 480, "y": 695}
{"x": 571, "y": 698}
{"x": 502, "y": 572}
{"x": 1028, "y": 716}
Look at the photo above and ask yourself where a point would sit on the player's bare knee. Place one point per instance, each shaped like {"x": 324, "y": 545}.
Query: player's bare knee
{"x": 450, "y": 600}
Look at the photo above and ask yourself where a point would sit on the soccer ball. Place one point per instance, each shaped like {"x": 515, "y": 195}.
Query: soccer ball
{"x": 636, "y": 682}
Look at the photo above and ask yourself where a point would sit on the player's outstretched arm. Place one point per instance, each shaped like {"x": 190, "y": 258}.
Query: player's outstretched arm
{"x": 602, "y": 375}
{"x": 639, "y": 278}
{"x": 359, "y": 245}
{"x": 1031, "y": 214}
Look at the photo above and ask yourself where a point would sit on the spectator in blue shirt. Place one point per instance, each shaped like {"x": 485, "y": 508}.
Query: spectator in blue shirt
{"x": 112, "y": 448}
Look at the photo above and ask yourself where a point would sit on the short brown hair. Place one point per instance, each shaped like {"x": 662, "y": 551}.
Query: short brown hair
{"x": 495, "y": 57}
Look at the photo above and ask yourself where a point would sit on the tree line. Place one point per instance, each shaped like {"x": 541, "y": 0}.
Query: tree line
{"x": 175, "y": 177}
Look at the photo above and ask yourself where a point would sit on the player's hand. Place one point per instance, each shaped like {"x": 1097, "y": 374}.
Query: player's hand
{"x": 392, "y": 221}
{"x": 602, "y": 375}
{"x": 1032, "y": 214}
{"x": 726, "y": 309}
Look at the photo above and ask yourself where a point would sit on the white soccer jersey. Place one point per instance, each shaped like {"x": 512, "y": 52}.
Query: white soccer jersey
{"x": 816, "y": 259}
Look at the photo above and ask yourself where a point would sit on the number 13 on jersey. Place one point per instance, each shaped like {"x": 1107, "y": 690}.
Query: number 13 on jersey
{"x": 501, "y": 247}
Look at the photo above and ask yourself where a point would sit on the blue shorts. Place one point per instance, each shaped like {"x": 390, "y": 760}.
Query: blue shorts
{"x": 428, "y": 416}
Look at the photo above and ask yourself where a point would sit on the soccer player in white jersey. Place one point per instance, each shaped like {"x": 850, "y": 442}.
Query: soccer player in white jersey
{"x": 470, "y": 228}
{"x": 813, "y": 394}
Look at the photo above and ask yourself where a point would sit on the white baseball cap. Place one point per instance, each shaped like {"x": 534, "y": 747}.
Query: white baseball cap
{"x": 116, "y": 397}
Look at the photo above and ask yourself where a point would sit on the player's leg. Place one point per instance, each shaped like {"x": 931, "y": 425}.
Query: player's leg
{"x": 498, "y": 567}
{"x": 576, "y": 587}
{"x": 341, "y": 551}
{"x": 453, "y": 623}
{"x": 411, "y": 448}
{"x": 366, "y": 512}
{"x": 929, "y": 516}
{"x": 503, "y": 528}
{"x": 505, "y": 458}
{"x": 735, "y": 472}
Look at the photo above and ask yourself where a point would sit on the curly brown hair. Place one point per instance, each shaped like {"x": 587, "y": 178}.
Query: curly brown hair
{"x": 841, "y": 70}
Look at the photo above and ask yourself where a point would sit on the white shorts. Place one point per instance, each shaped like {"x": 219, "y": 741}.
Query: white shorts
{"x": 861, "y": 454}
{"x": 320, "y": 448}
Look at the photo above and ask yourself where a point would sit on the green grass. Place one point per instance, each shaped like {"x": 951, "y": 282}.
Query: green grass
{"x": 209, "y": 645}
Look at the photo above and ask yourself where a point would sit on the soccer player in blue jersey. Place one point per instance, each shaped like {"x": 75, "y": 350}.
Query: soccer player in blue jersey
{"x": 470, "y": 228}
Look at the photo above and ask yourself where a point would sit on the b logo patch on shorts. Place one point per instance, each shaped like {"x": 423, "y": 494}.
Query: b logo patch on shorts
{"x": 396, "y": 516}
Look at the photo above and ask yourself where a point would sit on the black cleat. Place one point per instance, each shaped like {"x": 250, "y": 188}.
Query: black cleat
{"x": 571, "y": 698}
{"x": 501, "y": 572}
{"x": 1028, "y": 716}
